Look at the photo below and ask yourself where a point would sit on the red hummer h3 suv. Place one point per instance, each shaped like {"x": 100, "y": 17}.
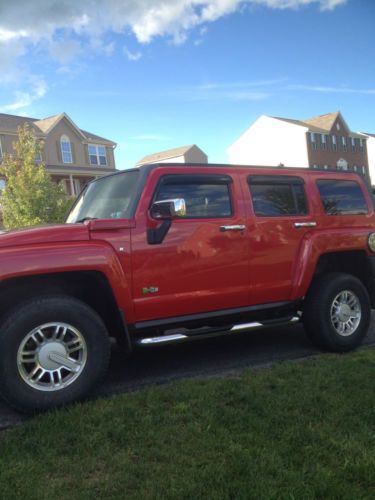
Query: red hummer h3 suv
{"x": 167, "y": 253}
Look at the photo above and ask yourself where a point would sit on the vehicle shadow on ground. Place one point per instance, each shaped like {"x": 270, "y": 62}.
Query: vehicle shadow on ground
{"x": 233, "y": 352}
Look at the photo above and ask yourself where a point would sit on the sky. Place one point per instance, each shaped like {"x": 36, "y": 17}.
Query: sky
{"x": 157, "y": 74}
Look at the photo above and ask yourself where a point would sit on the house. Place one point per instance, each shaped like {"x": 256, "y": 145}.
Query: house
{"x": 323, "y": 141}
{"x": 371, "y": 155}
{"x": 72, "y": 156}
{"x": 185, "y": 154}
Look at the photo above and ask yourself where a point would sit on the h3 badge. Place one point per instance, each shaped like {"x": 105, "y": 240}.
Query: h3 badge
{"x": 150, "y": 289}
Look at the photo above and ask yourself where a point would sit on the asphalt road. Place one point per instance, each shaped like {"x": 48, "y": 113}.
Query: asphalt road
{"x": 221, "y": 355}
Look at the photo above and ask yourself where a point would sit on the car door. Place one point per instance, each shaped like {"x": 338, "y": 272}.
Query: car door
{"x": 279, "y": 218}
{"x": 201, "y": 264}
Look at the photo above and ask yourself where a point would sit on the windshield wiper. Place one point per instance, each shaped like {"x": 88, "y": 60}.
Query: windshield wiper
{"x": 84, "y": 219}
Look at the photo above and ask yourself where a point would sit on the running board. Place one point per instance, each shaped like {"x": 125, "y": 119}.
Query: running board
{"x": 178, "y": 337}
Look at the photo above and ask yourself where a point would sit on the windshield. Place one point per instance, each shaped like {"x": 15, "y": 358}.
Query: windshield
{"x": 111, "y": 197}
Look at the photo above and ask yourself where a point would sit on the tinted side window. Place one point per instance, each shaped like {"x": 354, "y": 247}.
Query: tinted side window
{"x": 274, "y": 198}
{"x": 203, "y": 198}
{"x": 342, "y": 197}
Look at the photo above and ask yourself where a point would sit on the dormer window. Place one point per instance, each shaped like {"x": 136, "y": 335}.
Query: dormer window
{"x": 97, "y": 154}
{"x": 66, "y": 149}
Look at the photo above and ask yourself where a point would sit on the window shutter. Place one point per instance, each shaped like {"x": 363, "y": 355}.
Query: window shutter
{"x": 86, "y": 148}
{"x": 73, "y": 152}
{"x": 108, "y": 156}
{"x": 58, "y": 150}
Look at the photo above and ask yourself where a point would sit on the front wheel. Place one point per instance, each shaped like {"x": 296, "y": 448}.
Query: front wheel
{"x": 337, "y": 312}
{"x": 53, "y": 350}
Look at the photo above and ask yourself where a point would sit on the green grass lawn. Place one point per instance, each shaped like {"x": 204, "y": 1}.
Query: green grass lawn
{"x": 295, "y": 431}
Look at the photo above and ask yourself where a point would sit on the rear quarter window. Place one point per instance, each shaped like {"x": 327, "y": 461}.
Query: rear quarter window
{"x": 341, "y": 197}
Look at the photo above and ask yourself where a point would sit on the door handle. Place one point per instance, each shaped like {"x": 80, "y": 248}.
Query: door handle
{"x": 304, "y": 224}
{"x": 236, "y": 227}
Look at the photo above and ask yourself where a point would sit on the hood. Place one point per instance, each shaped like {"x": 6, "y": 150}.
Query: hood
{"x": 44, "y": 234}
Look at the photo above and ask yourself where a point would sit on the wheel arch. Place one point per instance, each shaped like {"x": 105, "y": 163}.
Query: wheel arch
{"x": 91, "y": 287}
{"x": 353, "y": 262}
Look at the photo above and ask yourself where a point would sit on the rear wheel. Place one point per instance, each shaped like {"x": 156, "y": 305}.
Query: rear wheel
{"x": 53, "y": 350}
{"x": 337, "y": 312}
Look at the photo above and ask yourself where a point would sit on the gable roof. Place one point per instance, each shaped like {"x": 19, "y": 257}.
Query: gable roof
{"x": 47, "y": 124}
{"x": 321, "y": 124}
{"x": 44, "y": 126}
{"x": 170, "y": 153}
{"x": 311, "y": 128}
{"x": 324, "y": 122}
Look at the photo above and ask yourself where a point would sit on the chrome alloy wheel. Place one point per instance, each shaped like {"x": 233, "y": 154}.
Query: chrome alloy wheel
{"x": 346, "y": 313}
{"x": 52, "y": 356}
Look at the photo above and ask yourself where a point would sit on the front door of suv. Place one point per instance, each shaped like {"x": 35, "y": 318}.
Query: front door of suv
{"x": 201, "y": 264}
{"x": 279, "y": 219}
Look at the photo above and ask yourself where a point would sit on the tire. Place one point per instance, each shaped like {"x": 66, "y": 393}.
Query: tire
{"x": 337, "y": 312}
{"x": 53, "y": 350}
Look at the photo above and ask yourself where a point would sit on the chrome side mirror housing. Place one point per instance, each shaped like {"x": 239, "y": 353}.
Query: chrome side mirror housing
{"x": 168, "y": 209}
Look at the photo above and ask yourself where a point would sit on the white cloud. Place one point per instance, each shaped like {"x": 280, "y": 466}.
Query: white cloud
{"x": 132, "y": 56}
{"x": 64, "y": 51}
{"x": 66, "y": 29}
{"x": 41, "y": 19}
{"x": 332, "y": 90}
{"x": 25, "y": 99}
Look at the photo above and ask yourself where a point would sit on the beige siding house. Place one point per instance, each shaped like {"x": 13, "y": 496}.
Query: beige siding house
{"x": 184, "y": 154}
{"x": 72, "y": 156}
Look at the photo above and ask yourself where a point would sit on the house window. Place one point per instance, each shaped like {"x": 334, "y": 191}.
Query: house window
{"x": 323, "y": 141}
{"x": 353, "y": 145}
{"x": 355, "y": 168}
{"x": 361, "y": 145}
{"x": 363, "y": 170}
{"x": 38, "y": 157}
{"x": 325, "y": 167}
{"x": 334, "y": 143}
{"x": 66, "y": 149}
{"x": 343, "y": 143}
{"x": 313, "y": 140}
{"x": 97, "y": 154}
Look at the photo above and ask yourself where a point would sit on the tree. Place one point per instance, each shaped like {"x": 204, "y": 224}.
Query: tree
{"x": 30, "y": 197}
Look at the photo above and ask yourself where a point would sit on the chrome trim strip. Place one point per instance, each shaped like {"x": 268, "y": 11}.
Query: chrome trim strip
{"x": 246, "y": 325}
{"x": 176, "y": 337}
{"x": 162, "y": 339}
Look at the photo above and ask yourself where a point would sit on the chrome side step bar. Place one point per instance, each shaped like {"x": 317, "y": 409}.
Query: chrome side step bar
{"x": 178, "y": 337}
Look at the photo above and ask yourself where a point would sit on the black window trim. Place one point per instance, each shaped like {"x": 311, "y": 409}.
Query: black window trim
{"x": 342, "y": 214}
{"x": 286, "y": 180}
{"x": 215, "y": 179}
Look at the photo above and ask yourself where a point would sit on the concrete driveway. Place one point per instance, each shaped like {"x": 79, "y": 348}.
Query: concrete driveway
{"x": 222, "y": 355}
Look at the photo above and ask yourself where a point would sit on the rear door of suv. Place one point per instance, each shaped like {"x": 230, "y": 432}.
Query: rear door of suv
{"x": 279, "y": 217}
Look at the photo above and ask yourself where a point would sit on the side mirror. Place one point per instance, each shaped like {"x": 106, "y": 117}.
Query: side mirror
{"x": 168, "y": 209}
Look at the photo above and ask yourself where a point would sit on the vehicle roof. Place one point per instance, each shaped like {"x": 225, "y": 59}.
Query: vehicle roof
{"x": 146, "y": 169}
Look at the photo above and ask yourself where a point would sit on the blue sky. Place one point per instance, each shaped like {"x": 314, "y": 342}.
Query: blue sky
{"x": 157, "y": 74}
